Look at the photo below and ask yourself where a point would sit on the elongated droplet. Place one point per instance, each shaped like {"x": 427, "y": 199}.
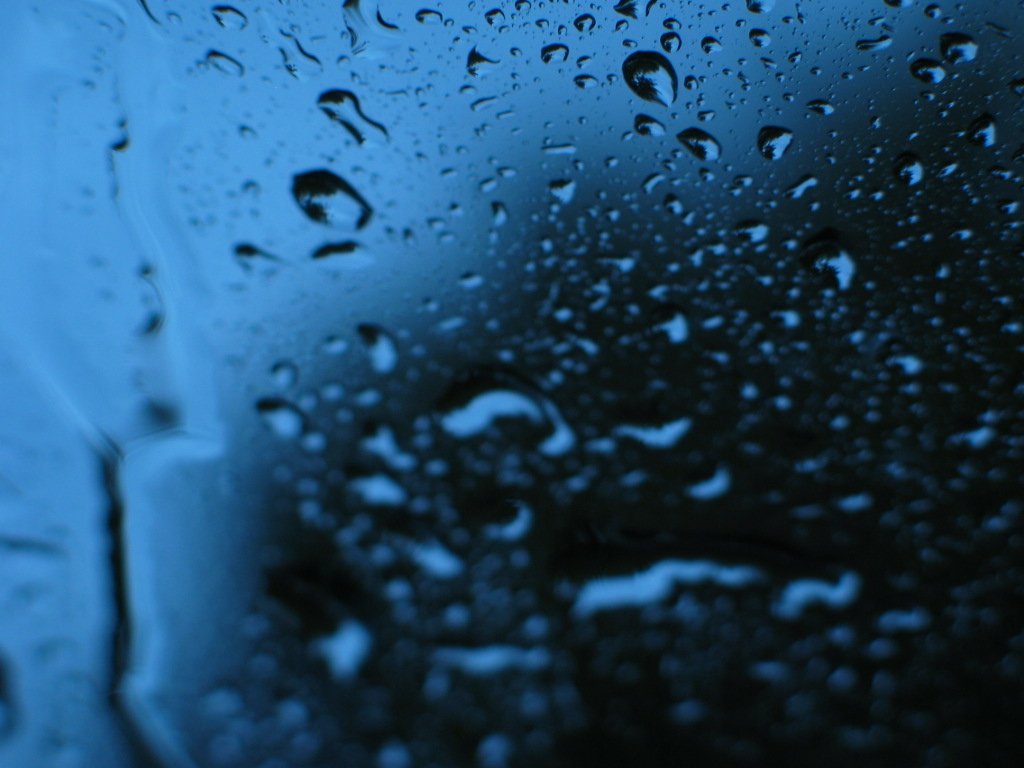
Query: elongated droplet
{"x": 701, "y": 144}
{"x": 326, "y": 198}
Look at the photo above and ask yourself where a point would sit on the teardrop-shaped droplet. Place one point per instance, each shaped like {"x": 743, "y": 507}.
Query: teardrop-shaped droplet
{"x": 326, "y": 198}
{"x": 651, "y": 77}
{"x": 773, "y": 141}
{"x": 701, "y": 144}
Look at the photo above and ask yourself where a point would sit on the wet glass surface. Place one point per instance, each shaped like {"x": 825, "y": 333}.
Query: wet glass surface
{"x": 511, "y": 383}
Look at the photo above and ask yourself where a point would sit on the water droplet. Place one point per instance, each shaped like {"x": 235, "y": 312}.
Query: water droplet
{"x": 824, "y": 255}
{"x": 760, "y": 6}
{"x": 651, "y": 77}
{"x": 820, "y": 107}
{"x": 429, "y": 16}
{"x": 877, "y": 44}
{"x": 760, "y": 38}
{"x": 328, "y": 199}
{"x": 982, "y": 131}
{"x": 344, "y": 248}
{"x": 224, "y": 63}
{"x": 562, "y": 190}
{"x": 554, "y": 53}
{"x": 928, "y": 71}
{"x": 710, "y": 45}
{"x": 645, "y": 125}
{"x": 585, "y": 82}
{"x": 671, "y": 42}
{"x": 482, "y": 401}
{"x": 285, "y": 374}
{"x": 752, "y": 231}
{"x": 773, "y": 141}
{"x": 343, "y": 108}
{"x": 584, "y": 23}
{"x": 477, "y": 64}
{"x": 626, "y": 8}
{"x": 701, "y": 144}
{"x": 284, "y": 419}
{"x": 909, "y": 169}
{"x": 229, "y": 17}
{"x": 380, "y": 346}
{"x": 958, "y": 48}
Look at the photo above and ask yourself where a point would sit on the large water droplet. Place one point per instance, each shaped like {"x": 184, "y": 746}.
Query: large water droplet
{"x": 957, "y": 47}
{"x": 701, "y": 144}
{"x": 773, "y": 141}
{"x": 651, "y": 77}
{"x": 328, "y": 199}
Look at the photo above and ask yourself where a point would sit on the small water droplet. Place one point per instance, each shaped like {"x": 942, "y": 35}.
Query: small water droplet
{"x": 752, "y": 231}
{"x": 701, "y": 144}
{"x": 671, "y": 42}
{"x": 909, "y": 169}
{"x": 760, "y": 6}
{"x": 957, "y": 47}
{"x": 283, "y": 418}
{"x": 820, "y": 107}
{"x": 773, "y": 141}
{"x": 651, "y": 77}
{"x": 328, "y": 199}
{"x": 380, "y": 346}
{"x": 562, "y": 190}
